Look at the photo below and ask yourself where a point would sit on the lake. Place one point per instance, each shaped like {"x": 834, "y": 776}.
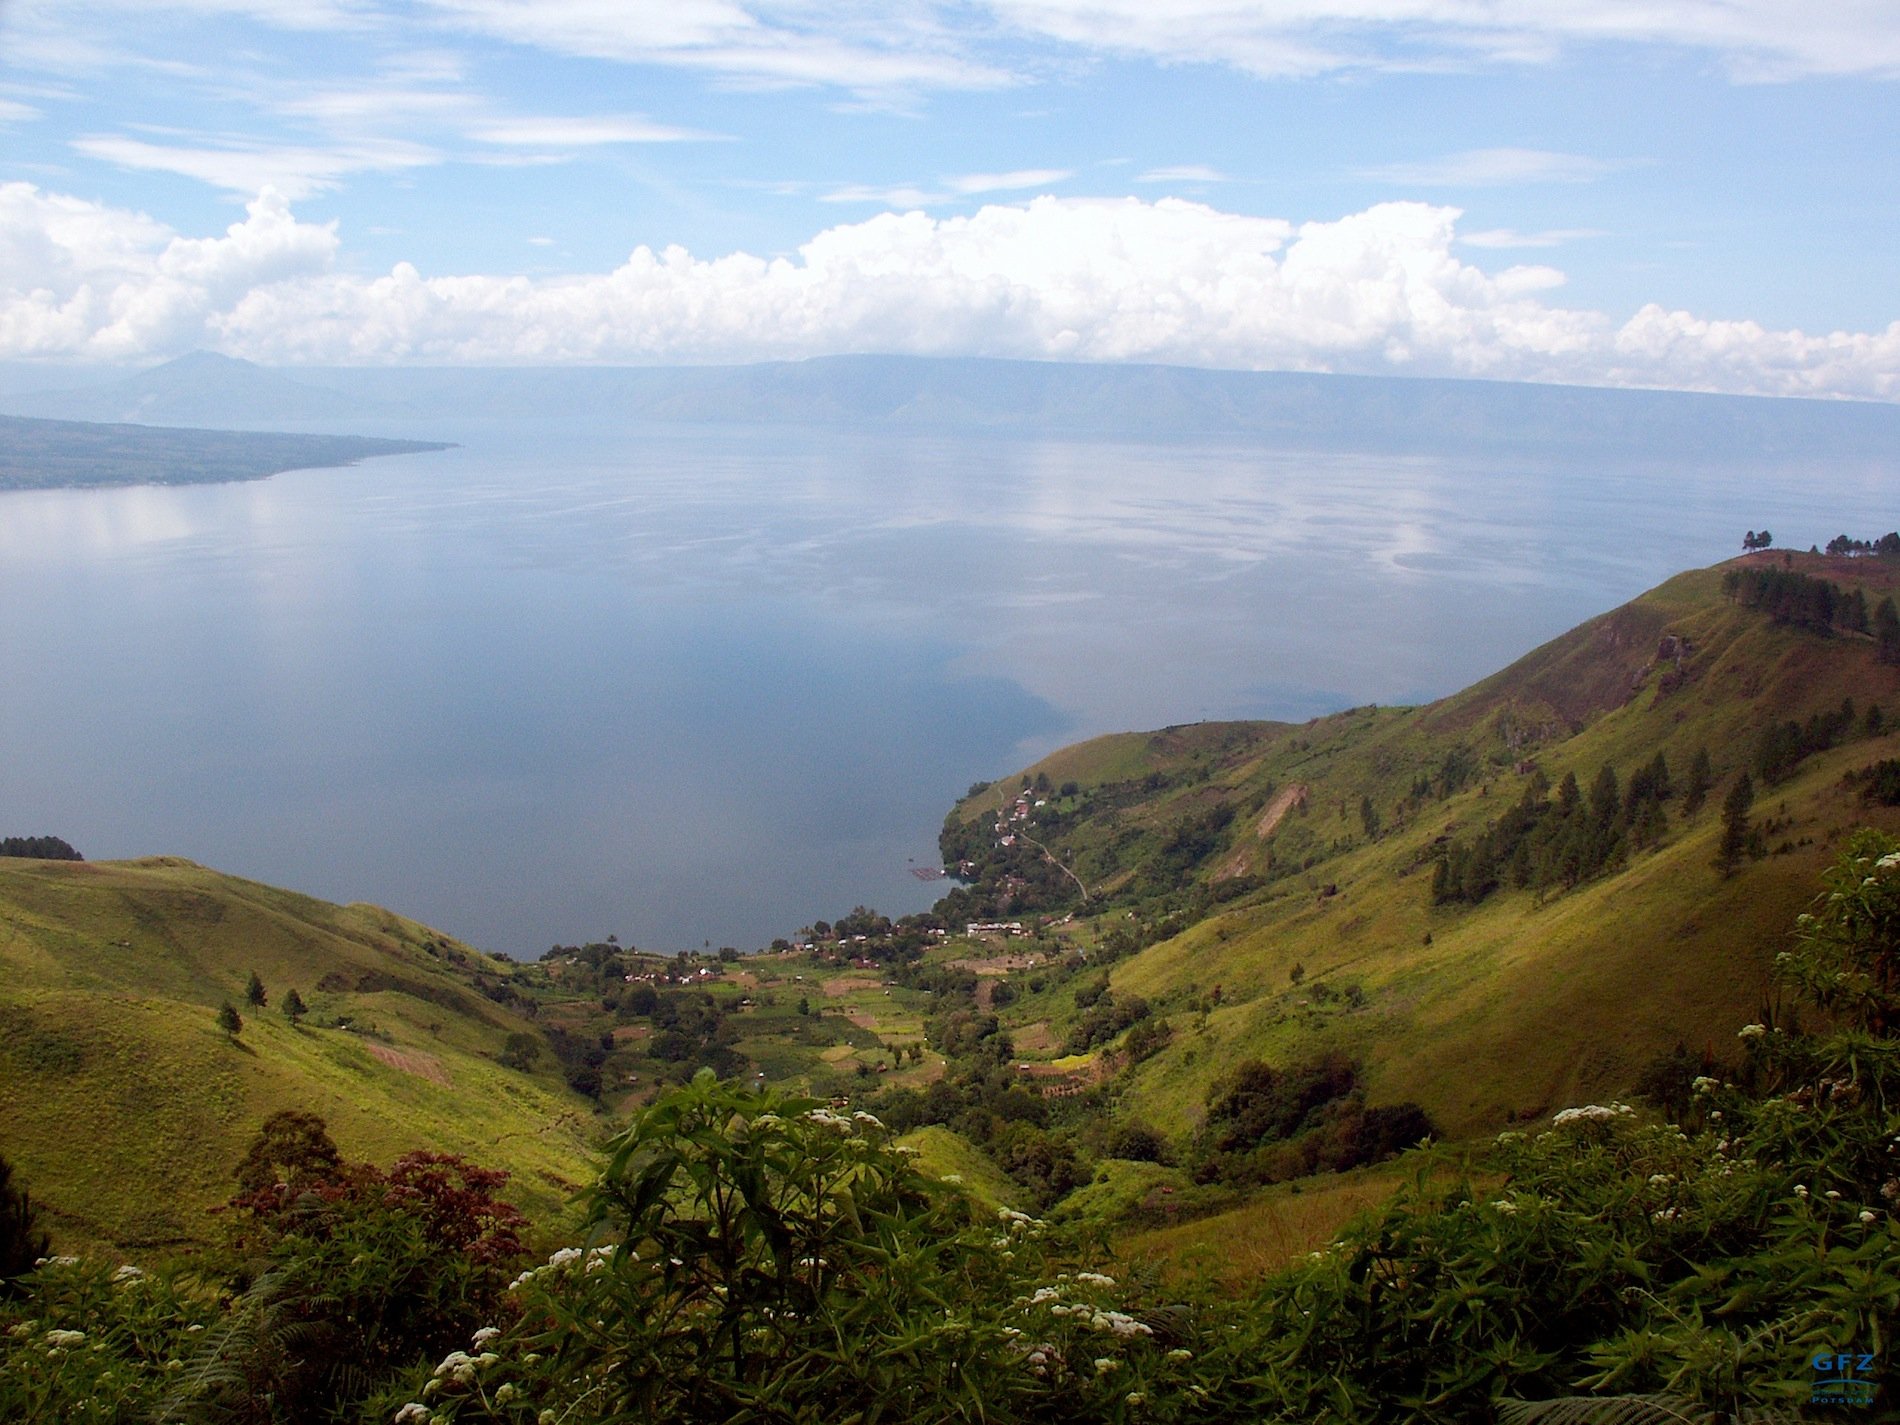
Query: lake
{"x": 705, "y": 685}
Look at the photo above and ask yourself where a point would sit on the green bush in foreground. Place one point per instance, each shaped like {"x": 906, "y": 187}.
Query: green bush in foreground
{"x": 763, "y": 1258}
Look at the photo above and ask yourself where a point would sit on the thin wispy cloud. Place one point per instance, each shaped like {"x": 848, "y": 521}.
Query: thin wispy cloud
{"x": 247, "y": 169}
{"x": 863, "y": 50}
{"x": 966, "y": 185}
{"x": 1506, "y": 238}
{"x": 548, "y": 131}
{"x": 1014, "y": 181}
{"x": 1182, "y": 173}
{"x": 1491, "y": 168}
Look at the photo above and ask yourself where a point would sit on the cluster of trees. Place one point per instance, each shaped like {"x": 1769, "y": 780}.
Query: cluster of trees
{"x": 39, "y": 848}
{"x": 1783, "y": 746}
{"x": 887, "y": 941}
{"x": 1105, "y": 1015}
{"x": 1267, "y": 1125}
{"x": 255, "y": 995}
{"x": 1757, "y": 539}
{"x": 1790, "y": 597}
{"x": 1032, "y": 1139}
{"x": 1886, "y": 547}
{"x": 1879, "y": 782}
{"x": 1543, "y": 843}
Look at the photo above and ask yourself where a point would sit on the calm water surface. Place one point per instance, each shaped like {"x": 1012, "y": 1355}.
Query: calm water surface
{"x": 708, "y": 685}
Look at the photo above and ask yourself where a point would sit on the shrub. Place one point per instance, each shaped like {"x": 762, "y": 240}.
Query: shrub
{"x": 21, "y": 1241}
{"x": 758, "y": 1257}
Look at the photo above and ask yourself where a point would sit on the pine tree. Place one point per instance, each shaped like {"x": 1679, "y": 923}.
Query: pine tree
{"x": 1735, "y": 832}
{"x": 1886, "y": 625}
{"x": 254, "y": 991}
{"x": 1701, "y": 778}
{"x": 229, "y": 1020}
{"x": 294, "y": 1008}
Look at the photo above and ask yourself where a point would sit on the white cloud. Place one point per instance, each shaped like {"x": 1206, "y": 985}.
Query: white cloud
{"x": 1757, "y": 39}
{"x": 1012, "y": 182}
{"x": 1075, "y": 279}
{"x": 867, "y": 48}
{"x": 1511, "y": 238}
{"x": 581, "y": 132}
{"x": 966, "y": 185}
{"x": 1182, "y": 173}
{"x": 14, "y": 112}
{"x": 295, "y": 171}
{"x": 888, "y": 51}
{"x": 78, "y": 279}
{"x": 1492, "y": 168}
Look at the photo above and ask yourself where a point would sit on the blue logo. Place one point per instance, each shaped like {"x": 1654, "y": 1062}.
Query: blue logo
{"x": 1842, "y": 1378}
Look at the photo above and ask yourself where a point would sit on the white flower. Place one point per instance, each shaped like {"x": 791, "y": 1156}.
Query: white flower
{"x": 1658, "y": 1179}
{"x": 1705, "y": 1085}
{"x": 127, "y": 1273}
{"x": 1505, "y": 1206}
{"x": 414, "y": 1413}
{"x": 1867, "y": 1215}
{"x": 954, "y": 1178}
{"x": 1135, "y": 1397}
{"x": 59, "y": 1340}
{"x": 1592, "y": 1113}
{"x": 1833, "y": 1196}
{"x": 1801, "y": 1191}
{"x": 484, "y": 1336}
{"x": 564, "y": 1256}
{"x": 1105, "y": 1364}
{"x": 1096, "y": 1277}
{"x": 862, "y": 1117}
{"x": 1180, "y": 1353}
{"x": 1751, "y": 1031}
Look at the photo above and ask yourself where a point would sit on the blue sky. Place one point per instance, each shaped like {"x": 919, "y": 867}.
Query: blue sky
{"x": 1693, "y": 193}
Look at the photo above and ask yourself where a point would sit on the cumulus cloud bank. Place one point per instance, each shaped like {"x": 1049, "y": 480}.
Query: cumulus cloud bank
{"x": 1073, "y": 279}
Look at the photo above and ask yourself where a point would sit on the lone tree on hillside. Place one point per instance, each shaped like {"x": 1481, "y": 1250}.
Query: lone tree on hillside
{"x": 293, "y": 1147}
{"x": 1736, "y": 834}
{"x": 254, "y": 991}
{"x": 21, "y": 1242}
{"x": 229, "y": 1020}
{"x": 294, "y": 1008}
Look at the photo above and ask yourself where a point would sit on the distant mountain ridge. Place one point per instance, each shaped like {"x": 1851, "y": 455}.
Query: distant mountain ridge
{"x": 971, "y": 394}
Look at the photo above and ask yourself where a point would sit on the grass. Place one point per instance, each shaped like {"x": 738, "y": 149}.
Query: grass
{"x": 942, "y": 1153}
{"x": 1235, "y": 1249}
{"x": 110, "y": 979}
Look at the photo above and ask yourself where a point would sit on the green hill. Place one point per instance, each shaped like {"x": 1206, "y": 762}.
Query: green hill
{"x": 126, "y": 1107}
{"x": 1268, "y": 889}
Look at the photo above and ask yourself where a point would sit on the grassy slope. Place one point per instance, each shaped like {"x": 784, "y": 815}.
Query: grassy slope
{"x": 125, "y": 1107}
{"x": 1517, "y": 1006}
